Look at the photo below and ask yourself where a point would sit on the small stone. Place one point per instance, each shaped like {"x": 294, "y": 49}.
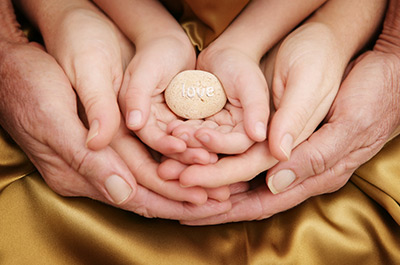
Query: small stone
{"x": 195, "y": 94}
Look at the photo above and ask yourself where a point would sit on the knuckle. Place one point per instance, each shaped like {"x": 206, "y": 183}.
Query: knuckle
{"x": 83, "y": 162}
{"x": 316, "y": 161}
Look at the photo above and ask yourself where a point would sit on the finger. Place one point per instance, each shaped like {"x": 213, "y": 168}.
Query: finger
{"x": 260, "y": 203}
{"x": 195, "y": 156}
{"x": 97, "y": 92}
{"x": 104, "y": 169}
{"x": 219, "y": 194}
{"x": 151, "y": 204}
{"x": 230, "y": 169}
{"x": 170, "y": 169}
{"x": 304, "y": 104}
{"x": 253, "y": 96}
{"x": 143, "y": 80}
{"x": 143, "y": 166}
{"x": 186, "y": 132}
{"x": 239, "y": 187}
{"x": 224, "y": 143}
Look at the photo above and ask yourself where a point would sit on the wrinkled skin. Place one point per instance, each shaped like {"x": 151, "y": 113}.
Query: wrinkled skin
{"x": 39, "y": 111}
{"x": 348, "y": 138}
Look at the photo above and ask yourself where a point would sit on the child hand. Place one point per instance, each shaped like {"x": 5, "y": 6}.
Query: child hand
{"x": 141, "y": 99}
{"x": 244, "y": 84}
{"x": 222, "y": 133}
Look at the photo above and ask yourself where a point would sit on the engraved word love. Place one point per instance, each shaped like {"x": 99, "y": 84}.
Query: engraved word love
{"x": 191, "y": 92}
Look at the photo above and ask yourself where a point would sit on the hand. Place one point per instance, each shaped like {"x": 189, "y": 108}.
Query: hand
{"x": 222, "y": 133}
{"x": 244, "y": 84}
{"x": 141, "y": 99}
{"x": 39, "y": 110}
{"x": 365, "y": 114}
{"x": 308, "y": 70}
{"x": 93, "y": 57}
{"x": 40, "y": 113}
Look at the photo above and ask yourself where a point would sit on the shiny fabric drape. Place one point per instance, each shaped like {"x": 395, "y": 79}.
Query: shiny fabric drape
{"x": 356, "y": 225}
{"x": 359, "y": 224}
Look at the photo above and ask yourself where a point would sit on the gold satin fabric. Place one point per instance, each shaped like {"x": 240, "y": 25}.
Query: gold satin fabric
{"x": 359, "y": 224}
{"x": 356, "y": 225}
{"x": 204, "y": 20}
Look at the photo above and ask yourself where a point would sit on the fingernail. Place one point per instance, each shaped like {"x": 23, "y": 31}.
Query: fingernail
{"x": 185, "y": 186}
{"x": 213, "y": 158}
{"x": 261, "y": 131}
{"x": 93, "y": 131}
{"x": 281, "y": 180}
{"x": 134, "y": 118}
{"x": 287, "y": 145}
{"x": 118, "y": 189}
{"x": 204, "y": 138}
{"x": 184, "y": 137}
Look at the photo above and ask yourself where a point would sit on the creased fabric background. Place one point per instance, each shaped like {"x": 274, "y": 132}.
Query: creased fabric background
{"x": 358, "y": 224}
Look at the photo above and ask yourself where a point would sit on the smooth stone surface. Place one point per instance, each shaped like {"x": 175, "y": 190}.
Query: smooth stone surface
{"x": 195, "y": 94}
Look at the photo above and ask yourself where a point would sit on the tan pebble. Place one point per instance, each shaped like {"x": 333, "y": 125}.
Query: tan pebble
{"x": 195, "y": 94}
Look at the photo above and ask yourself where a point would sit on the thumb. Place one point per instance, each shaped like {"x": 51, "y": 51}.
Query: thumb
{"x": 104, "y": 169}
{"x": 303, "y": 105}
{"x": 142, "y": 80}
{"x": 326, "y": 151}
{"x": 97, "y": 92}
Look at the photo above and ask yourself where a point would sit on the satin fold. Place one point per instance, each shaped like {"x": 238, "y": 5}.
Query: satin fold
{"x": 359, "y": 224}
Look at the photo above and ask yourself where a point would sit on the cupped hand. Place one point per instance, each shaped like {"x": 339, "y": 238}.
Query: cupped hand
{"x": 155, "y": 63}
{"x": 39, "y": 110}
{"x": 307, "y": 73}
{"x": 364, "y": 116}
{"x": 93, "y": 53}
{"x": 222, "y": 133}
{"x": 245, "y": 87}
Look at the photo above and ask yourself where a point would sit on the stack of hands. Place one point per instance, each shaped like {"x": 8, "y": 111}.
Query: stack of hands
{"x": 88, "y": 109}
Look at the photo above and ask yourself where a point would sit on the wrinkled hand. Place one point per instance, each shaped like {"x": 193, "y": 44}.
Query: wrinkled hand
{"x": 365, "y": 114}
{"x": 93, "y": 53}
{"x": 39, "y": 111}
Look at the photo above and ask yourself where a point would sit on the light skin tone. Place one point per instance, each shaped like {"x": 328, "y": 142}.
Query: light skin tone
{"x": 259, "y": 212}
{"x": 305, "y": 71}
{"x": 251, "y": 108}
{"x": 36, "y": 94}
{"x": 325, "y": 162}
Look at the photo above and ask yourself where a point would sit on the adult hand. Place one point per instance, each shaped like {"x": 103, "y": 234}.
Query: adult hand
{"x": 307, "y": 73}
{"x": 365, "y": 114}
{"x": 93, "y": 53}
{"x": 304, "y": 83}
{"x": 39, "y": 110}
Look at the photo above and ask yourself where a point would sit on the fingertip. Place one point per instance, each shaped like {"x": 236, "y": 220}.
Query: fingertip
{"x": 118, "y": 190}
{"x": 281, "y": 148}
{"x": 134, "y": 120}
{"x": 281, "y": 180}
{"x": 198, "y": 196}
{"x": 170, "y": 169}
{"x": 220, "y": 194}
{"x": 260, "y": 131}
{"x": 255, "y": 123}
{"x": 100, "y": 136}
